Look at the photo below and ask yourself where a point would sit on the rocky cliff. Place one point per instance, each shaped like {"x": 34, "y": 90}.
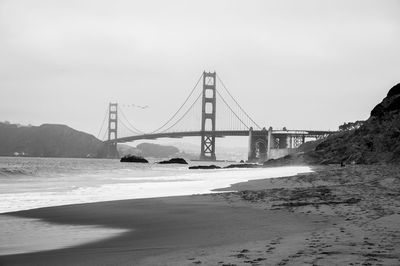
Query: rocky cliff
{"x": 377, "y": 140}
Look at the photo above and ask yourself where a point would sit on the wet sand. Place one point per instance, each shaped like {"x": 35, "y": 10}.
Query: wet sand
{"x": 159, "y": 226}
{"x": 336, "y": 216}
{"x": 22, "y": 235}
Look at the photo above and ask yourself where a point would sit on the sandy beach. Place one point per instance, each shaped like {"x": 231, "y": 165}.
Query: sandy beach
{"x": 335, "y": 216}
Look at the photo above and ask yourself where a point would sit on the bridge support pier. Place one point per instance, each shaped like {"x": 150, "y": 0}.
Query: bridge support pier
{"x": 269, "y": 143}
{"x": 282, "y": 142}
{"x": 207, "y": 152}
{"x": 298, "y": 140}
{"x": 259, "y": 145}
{"x": 251, "y": 150}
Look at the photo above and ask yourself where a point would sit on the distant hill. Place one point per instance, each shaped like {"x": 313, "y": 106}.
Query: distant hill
{"x": 47, "y": 140}
{"x": 124, "y": 149}
{"x": 377, "y": 140}
{"x": 52, "y": 140}
{"x": 156, "y": 150}
{"x": 235, "y": 153}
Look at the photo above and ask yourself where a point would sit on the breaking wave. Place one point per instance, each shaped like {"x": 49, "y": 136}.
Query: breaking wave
{"x": 27, "y": 183}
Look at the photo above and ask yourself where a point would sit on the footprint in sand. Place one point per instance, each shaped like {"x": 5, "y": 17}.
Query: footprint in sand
{"x": 297, "y": 254}
{"x": 241, "y": 256}
{"x": 283, "y": 262}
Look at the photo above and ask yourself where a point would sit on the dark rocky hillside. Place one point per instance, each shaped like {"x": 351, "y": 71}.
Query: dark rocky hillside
{"x": 47, "y": 140}
{"x": 377, "y": 140}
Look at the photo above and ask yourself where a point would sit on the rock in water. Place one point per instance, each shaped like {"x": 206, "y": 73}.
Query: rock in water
{"x": 133, "y": 159}
{"x": 205, "y": 167}
{"x": 244, "y": 165}
{"x": 174, "y": 160}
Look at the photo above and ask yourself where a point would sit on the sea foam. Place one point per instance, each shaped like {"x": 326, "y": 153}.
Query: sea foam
{"x": 107, "y": 186}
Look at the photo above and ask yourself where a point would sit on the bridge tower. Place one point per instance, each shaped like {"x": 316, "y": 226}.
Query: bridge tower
{"x": 208, "y": 117}
{"x": 112, "y": 151}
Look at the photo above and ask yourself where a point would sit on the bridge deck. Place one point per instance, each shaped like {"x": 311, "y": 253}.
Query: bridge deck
{"x": 224, "y": 133}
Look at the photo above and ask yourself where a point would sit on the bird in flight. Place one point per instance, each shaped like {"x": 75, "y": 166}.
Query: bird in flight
{"x": 135, "y": 105}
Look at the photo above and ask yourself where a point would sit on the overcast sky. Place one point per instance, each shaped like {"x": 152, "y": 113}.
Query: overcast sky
{"x": 299, "y": 64}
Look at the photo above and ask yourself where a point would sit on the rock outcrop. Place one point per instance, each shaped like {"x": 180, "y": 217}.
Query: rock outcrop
{"x": 133, "y": 159}
{"x": 205, "y": 167}
{"x": 174, "y": 161}
{"x": 376, "y": 141}
{"x": 390, "y": 104}
{"x": 244, "y": 165}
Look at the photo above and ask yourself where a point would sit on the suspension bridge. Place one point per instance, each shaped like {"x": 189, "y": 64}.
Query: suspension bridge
{"x": 197, "y": 117}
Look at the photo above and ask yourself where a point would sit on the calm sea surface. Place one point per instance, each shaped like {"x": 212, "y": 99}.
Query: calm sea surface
{"x": 27, "y": 183}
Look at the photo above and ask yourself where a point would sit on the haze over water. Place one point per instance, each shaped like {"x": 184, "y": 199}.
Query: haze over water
{"x": 27, "y": 183}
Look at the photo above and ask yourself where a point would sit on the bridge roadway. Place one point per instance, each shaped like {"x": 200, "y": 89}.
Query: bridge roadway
{"x": 225, "y": 133}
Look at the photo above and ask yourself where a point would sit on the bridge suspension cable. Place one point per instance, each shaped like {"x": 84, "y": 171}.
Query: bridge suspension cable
{"x": 132, "y": 128}
{"x": 188, "y": 117}
{"x": 233, "y": 112}
{"x": 240, "y": 107}
{"x": 187, "y": 111}
{"x": 128, "y": 128}
{"x": 102, "y": 125}
{"x": 180, "y": 108}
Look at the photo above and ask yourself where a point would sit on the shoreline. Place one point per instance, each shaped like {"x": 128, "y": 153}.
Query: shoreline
{"x": 183, "y": 183}
{"x": 334, "y": 215}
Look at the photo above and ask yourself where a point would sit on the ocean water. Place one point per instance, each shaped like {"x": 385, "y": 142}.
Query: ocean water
{"x": 27, "y": 183}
